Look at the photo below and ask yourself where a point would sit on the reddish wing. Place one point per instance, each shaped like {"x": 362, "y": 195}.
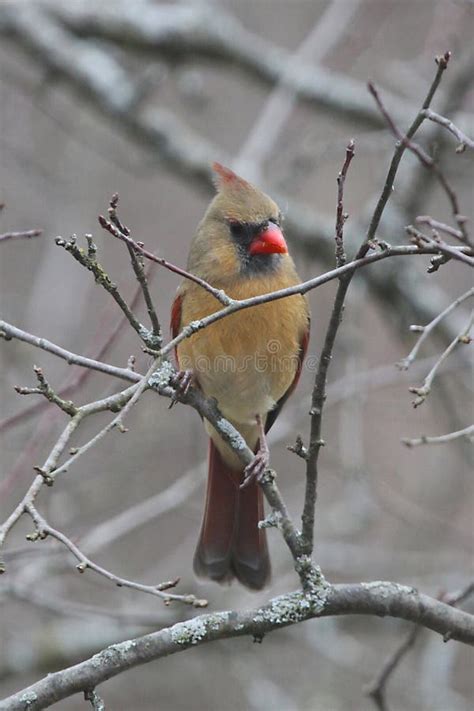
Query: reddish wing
{"x": 175, "y": 323}
{"x": 271, "y": 417}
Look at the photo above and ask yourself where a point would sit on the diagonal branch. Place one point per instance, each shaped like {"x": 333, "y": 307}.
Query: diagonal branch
{"x": 426, "y": 160}
{"x": 43, "y": 529}
{"x": 424, "y": 390}
{"x": 427, "y": 330}
{"x": 464, "y": 141}
{"x": 138, "y": 247}
{"x": 89, "y": 261}
{"x": 376, "y": 689}
{"x": 138, "y": 268}
{"x": 442, "y": 63}
{"x": 8, "y": 331}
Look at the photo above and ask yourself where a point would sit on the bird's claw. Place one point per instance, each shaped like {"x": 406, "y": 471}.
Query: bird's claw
{"x": 181, "y": 382}
{"x": 255, "y": 470}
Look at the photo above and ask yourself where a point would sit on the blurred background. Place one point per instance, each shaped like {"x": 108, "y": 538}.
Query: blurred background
{"x": 138, "y": 98}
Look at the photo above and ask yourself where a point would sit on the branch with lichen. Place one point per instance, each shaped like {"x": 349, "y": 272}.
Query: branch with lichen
{"x": 376, "y": 598}
{"x": 376, "y": 689}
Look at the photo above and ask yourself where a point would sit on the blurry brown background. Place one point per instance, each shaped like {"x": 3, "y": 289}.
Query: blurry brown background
{"x": 384, "y": 511}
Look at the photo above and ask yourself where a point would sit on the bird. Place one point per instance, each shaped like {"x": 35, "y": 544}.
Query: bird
{"x": 249, "y": 361}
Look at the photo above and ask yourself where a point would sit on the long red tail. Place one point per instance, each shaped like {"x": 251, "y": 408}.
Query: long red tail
{"x": 231, "y": 544}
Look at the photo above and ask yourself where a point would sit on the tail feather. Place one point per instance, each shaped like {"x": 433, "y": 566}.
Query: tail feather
{"x": 230, "y": 543}
{"x": 250, "y": 559}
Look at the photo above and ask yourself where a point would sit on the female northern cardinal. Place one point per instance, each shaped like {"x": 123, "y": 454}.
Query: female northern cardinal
{"x": 249, "y": 362}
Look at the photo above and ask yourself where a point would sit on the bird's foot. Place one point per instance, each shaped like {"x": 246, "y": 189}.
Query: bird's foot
{"x": 181, "y": 382}
{"x": 257, "y": 467}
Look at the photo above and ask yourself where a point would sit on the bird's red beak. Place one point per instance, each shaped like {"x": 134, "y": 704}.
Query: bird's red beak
{"x": 269, "y": 241}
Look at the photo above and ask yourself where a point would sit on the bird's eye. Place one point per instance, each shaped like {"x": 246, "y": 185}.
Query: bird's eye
{"x": 275, "y": 220}
{"x": 238, "y": 229}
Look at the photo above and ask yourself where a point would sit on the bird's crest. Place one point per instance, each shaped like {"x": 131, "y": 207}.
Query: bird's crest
{"x": 226, "y": 179}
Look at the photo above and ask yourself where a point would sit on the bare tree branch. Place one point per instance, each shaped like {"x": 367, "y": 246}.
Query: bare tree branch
{"x": 376, "y": 598}
{"x": 376, "y": 689}
{"x": 427, "y": 330}
{"x": 464, "y": 141}
{"x": 43, "y": 529}
{"x": 442, "y": 63}
{"x": 406, "y": 142}
{"x": 448, "y": 250}
{"x": 424, "y": 390}
{"x": 70, "y": 385}
{"x": 467, "y": 432}
{"x": 20, "y": 235}
{"x": 7, "y": 331}
{"x": 139, "y": 271}
{"x": 139, "y": 248}
{"x": 439, "y": 226}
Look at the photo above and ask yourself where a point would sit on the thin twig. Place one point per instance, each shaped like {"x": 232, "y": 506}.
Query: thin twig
{"x": 427, "y": 330}
{"x": 138, "y": 268}
{"x": 341, "y": 216}
{"x": 46, "y": 390}
{"x": 447, "y": 249}
{"x": 439, "y": 226}
{"x": 89, "y": 261}
{"x": 464, "y": 141}
{"x": 219, "y": 294}
{"x": 8, "y": 331}
{"x": 49, "y": 470}
{"x": 20, "y": 235}
{"x": 316, "y": 411}
{"x": 425, "y": 159}
{"x": 423, "y": 391}
{"x": 467, "y": 432}
{"x": 319, "y": 391}
{"x": 43, "y": 529}
{"x": 70, "y": 385}
{"x": 442, "y": 63}
{"x": 376, "y": 689}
